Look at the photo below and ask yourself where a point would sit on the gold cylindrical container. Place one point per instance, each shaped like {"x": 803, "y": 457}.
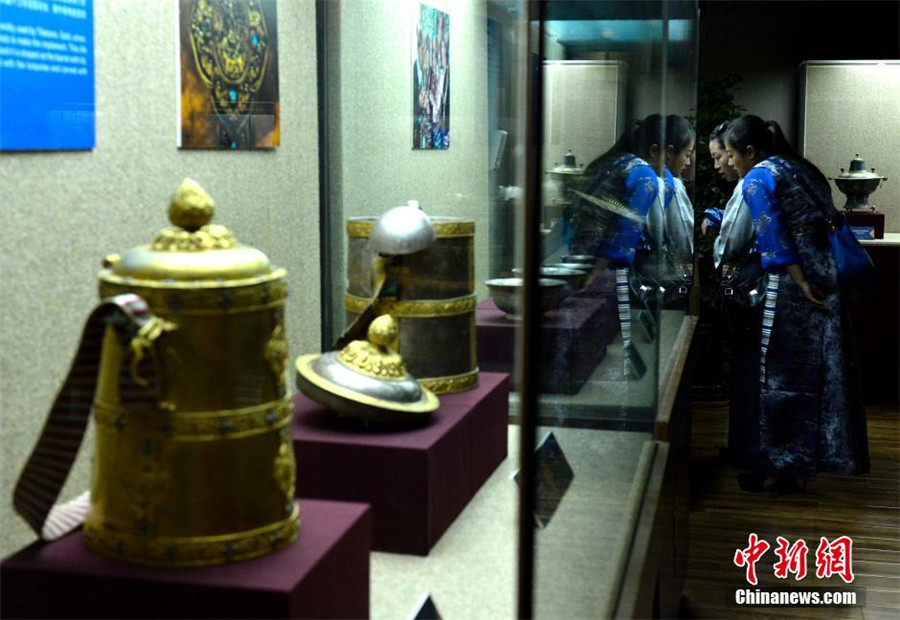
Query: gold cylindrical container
{"x": 200, "y": 471}
{"x": 431, "y": 293}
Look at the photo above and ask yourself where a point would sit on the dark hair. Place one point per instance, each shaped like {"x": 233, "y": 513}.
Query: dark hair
{"x": 718, "y": 134}
{"x": 768, "y": 139}
{"x": 679, "y": 132}
{"x": 636, "y": 139}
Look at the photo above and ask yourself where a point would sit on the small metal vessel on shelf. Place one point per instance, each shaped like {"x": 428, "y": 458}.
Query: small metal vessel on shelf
{"x": 568, "y": 172}
{"x": 557, "y": 194}
{"x": 857, "y": 183}
{"x": 865, "y": 222}
{"x": 580, "y": 260}
{"x": 573, "y": 277}
{"x": 577, "y": 266}
{"x": 507, "y": 294}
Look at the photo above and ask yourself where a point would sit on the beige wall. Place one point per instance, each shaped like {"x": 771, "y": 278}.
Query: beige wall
{"x": 379, "y": 168}
{"x": 850, "y": 108}
{"x": 581, "y": 109}
{"x": 62, "y": 212}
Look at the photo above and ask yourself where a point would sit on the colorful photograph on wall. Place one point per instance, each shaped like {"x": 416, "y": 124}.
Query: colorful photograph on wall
{"x": 431, "y": 79}
{"x": 228, "y": 90}
{"x": 47, "y": 100}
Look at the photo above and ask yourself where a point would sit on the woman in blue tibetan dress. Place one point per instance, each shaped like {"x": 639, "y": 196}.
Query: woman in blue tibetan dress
{"x": 743, "y": 292}
{"x": 610, "y": 215}
{"x": 735, "y": 254}
{"x": 679, "y": 213}
{"x": 811, "y": 407}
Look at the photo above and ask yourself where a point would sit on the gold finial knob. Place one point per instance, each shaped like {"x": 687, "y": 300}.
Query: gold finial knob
{"x": 191, "y": 207}
{"x": 383, "y": 331}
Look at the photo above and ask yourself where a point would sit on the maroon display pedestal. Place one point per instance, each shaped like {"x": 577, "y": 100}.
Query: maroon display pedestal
{"x": 417, "y": 480}
{"x": 325, "y": 574}
{"x": 866, "y": 224}
{"x": 574, "y": 340}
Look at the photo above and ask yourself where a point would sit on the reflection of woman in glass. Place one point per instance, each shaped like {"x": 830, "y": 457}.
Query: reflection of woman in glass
{"x": 811, "y": 407}
{"x": 615, "y": 200}
{"x": 611, "y": 209}
{"x": 678, "y": 239}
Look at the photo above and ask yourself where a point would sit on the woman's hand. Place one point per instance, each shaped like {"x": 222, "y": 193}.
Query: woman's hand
{"x": 812, "y": 293}
{"x": 599, "y": 267}
{"x": 809, "y": 290}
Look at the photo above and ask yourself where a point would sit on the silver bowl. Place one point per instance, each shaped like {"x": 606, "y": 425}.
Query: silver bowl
{"x": 507, "y": 293}
{"x": 580, "y": 259}
{"x": 573, "y": 277}
{"x": 583, "y": 267}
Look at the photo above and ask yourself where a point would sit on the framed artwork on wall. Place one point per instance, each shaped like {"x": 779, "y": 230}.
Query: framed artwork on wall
{"x": 228, "y": 77}
{"x": 431, "y": 79}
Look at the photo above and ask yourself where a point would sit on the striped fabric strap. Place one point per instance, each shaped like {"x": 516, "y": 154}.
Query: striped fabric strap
{"x": 624, "y": 304}
{"x": 51, "y": 460}
{"x": 767, "y": 321}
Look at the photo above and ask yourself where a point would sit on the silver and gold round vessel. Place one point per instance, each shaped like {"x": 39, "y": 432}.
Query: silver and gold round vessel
{"x": 431, "y": 293}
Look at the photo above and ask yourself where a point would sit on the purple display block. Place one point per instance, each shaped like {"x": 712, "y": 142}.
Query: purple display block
{"x": 325, "y": 574}
{"x": 417, "y": 480}
{"x": 574, "y": 340}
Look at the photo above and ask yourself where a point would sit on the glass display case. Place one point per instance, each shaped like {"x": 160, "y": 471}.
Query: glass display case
{"x": 538, "y": 282}
{"x": 506, "y": 118}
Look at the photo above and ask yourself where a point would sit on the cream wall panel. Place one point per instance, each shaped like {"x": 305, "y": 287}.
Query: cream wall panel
{"x": 379, "y": 168}
{"x": 581, "y": 107}
{"x": 62, "y": 212}
{"x": 849, "y": 108}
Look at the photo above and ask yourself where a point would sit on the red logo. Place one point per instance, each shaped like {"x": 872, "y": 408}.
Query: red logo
{"x": 750, "y": 556}
{"x": 832, "y": 558}
{"x": 835, "y": 558}
{"x": 791, "y": 559}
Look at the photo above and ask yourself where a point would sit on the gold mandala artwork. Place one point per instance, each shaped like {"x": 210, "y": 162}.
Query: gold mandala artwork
{"x": 231, "y": 50}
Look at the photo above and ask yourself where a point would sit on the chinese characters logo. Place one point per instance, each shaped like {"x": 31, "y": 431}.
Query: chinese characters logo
{"x": 832, "y": 558}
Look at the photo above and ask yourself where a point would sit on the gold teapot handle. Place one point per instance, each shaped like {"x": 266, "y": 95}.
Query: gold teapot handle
{"x": 51, "y": 459}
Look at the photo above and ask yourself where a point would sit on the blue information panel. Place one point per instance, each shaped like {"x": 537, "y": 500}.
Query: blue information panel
{"x": 863, "y": 232}
{"x": 47, "y": 75}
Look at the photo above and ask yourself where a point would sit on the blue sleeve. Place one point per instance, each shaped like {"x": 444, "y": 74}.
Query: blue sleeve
{"x": 621, "y": 241}
{"x": 772, "y": 236}
{"x": 714, "y": 217}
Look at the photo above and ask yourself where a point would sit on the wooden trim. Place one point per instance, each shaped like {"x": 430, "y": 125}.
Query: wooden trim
{"x": 639, "y": 581}
{"x": 671, "y": 377}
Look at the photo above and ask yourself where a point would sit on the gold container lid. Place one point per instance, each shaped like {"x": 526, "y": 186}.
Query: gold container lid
{"x": 367, "y": 380}
{"x": 192, "y": 250}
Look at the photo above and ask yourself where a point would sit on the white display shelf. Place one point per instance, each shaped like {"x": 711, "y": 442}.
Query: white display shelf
{"x": 889, "y": 239}
{"x": 472, "y": 571}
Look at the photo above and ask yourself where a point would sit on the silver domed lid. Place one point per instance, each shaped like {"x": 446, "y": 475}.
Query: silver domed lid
{"x": 569, "y": 166}
{"x": 402, "y": 230}
{"x": 367, "y": 380}
{"x": 858, "y": 171}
